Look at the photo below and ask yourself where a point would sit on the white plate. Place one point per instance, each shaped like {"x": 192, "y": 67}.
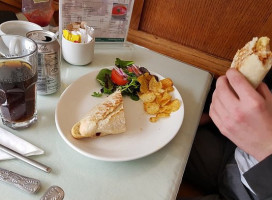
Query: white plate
{"x": 141, "y": 138}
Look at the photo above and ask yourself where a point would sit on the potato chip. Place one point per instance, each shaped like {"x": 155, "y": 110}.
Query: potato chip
{"x": 147, "y": 97}
{"x": 169, "y": 89}
{"x": 147, "y": 76}
{"x": 165, "y": 109}
{"x": 158, "y": 116}
{"x": 153, "y": 119}
{"x": 155, "y": 86}
{"x": 144, "y": 84}
{"x": 165, "y": 99}
{"x": 174, "y": 105}
{"x": 166, "y": 83}
{"x": 151, "y": 108}
{"x": 156, "y": 97}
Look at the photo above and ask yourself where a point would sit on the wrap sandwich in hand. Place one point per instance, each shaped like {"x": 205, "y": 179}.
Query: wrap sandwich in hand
{"x": 254, "y": 60}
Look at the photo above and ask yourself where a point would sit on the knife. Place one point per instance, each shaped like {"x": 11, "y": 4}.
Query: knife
{"x": 22, "y": 182}
{"x": 25, "y": 159}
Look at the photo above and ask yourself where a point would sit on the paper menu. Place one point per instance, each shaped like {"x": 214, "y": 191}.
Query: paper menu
{"x": 109, "y": 18}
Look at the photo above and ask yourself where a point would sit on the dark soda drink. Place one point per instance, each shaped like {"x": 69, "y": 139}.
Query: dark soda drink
{"x": 18, "y": 92}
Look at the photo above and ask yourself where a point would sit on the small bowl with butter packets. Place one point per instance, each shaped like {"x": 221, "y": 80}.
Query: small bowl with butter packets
{"x": 78, "y": 43}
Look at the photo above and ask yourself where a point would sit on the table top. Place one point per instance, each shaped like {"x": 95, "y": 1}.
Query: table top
{"x": 156, "y": 176}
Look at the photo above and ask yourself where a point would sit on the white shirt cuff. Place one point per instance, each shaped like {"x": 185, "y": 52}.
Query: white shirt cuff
{"x": 244, "y": 162}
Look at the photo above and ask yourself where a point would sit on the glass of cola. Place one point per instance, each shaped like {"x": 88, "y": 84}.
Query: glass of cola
{"x": 18, "y": 77}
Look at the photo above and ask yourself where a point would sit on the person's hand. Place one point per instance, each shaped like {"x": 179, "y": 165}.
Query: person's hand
{"x": 243, "y": 114}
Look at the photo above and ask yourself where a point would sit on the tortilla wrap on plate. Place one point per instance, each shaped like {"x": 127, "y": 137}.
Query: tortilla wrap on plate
{"x": 105, "y": 118}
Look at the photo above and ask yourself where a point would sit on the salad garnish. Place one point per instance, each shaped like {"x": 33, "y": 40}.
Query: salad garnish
{"x": 123, "y": 77}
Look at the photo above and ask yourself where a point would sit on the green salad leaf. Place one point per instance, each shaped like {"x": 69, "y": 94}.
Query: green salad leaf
{"x": 97, "y": 94}
{"x": 131, "y": 89}
{"x": 103, "y": 77}
{"x": 123, "y": 63}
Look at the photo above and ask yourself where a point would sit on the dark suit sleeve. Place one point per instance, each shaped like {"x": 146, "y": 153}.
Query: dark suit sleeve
{"x": 268, "y": 79}
{"x": 259, "y": 178}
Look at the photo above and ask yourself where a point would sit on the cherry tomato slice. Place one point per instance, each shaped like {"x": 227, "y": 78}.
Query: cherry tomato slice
{"x": 117, "y": 78}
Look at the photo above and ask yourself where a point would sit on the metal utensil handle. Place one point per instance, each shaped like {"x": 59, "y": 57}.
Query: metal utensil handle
{"x": 25, "y": 159}
{"x": 53, "y": 193}
{"x": 24, "y": 183}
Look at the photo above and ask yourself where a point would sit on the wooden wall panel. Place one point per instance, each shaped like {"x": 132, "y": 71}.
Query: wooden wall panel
{"x": 11, "y": 5}
{"x": 188, "y": 55}
{"x": 137, "y": 12}
{"x": 216, "y": 28}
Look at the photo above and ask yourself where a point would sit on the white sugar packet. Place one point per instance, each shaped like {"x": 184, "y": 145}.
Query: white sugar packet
{"x": 17, "y": 144}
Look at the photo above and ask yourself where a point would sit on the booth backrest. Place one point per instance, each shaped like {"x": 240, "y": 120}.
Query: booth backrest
{"x": 204, "y": 33}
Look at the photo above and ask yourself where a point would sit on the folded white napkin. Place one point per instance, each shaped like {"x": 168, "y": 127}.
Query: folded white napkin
{"x": 17, "y": 144}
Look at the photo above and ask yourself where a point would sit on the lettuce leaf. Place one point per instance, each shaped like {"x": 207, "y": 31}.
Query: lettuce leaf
{"x": 123, "y": 63}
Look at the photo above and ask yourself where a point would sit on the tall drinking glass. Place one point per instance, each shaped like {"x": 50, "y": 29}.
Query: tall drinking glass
{"x": 38, "y": 11}
{"x": 18, "y": 77}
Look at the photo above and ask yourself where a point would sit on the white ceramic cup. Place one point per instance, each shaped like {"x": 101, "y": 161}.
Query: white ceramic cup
{"x": 77, "y": 53}
{"x": 18, "y": 27}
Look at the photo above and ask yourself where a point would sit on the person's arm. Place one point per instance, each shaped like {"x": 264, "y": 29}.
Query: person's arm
{"x": 244, "y": 115}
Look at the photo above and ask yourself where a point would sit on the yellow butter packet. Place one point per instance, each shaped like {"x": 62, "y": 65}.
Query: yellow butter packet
{"x": 69, "y": 36}
{"x": 76, "y": 38}
{"x": 66, "y": 34}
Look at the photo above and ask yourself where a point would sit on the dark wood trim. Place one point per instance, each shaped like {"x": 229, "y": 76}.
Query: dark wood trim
{"x": 197, "y": 58}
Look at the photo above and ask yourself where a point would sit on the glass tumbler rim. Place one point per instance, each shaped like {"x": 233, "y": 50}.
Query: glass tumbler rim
{"x": 30, "y": 53}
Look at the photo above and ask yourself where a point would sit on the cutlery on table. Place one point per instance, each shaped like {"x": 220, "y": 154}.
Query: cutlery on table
{"x": 25, "y": 159}
{"x": 53, "y": 193}
{"x": 22, "y": 182}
